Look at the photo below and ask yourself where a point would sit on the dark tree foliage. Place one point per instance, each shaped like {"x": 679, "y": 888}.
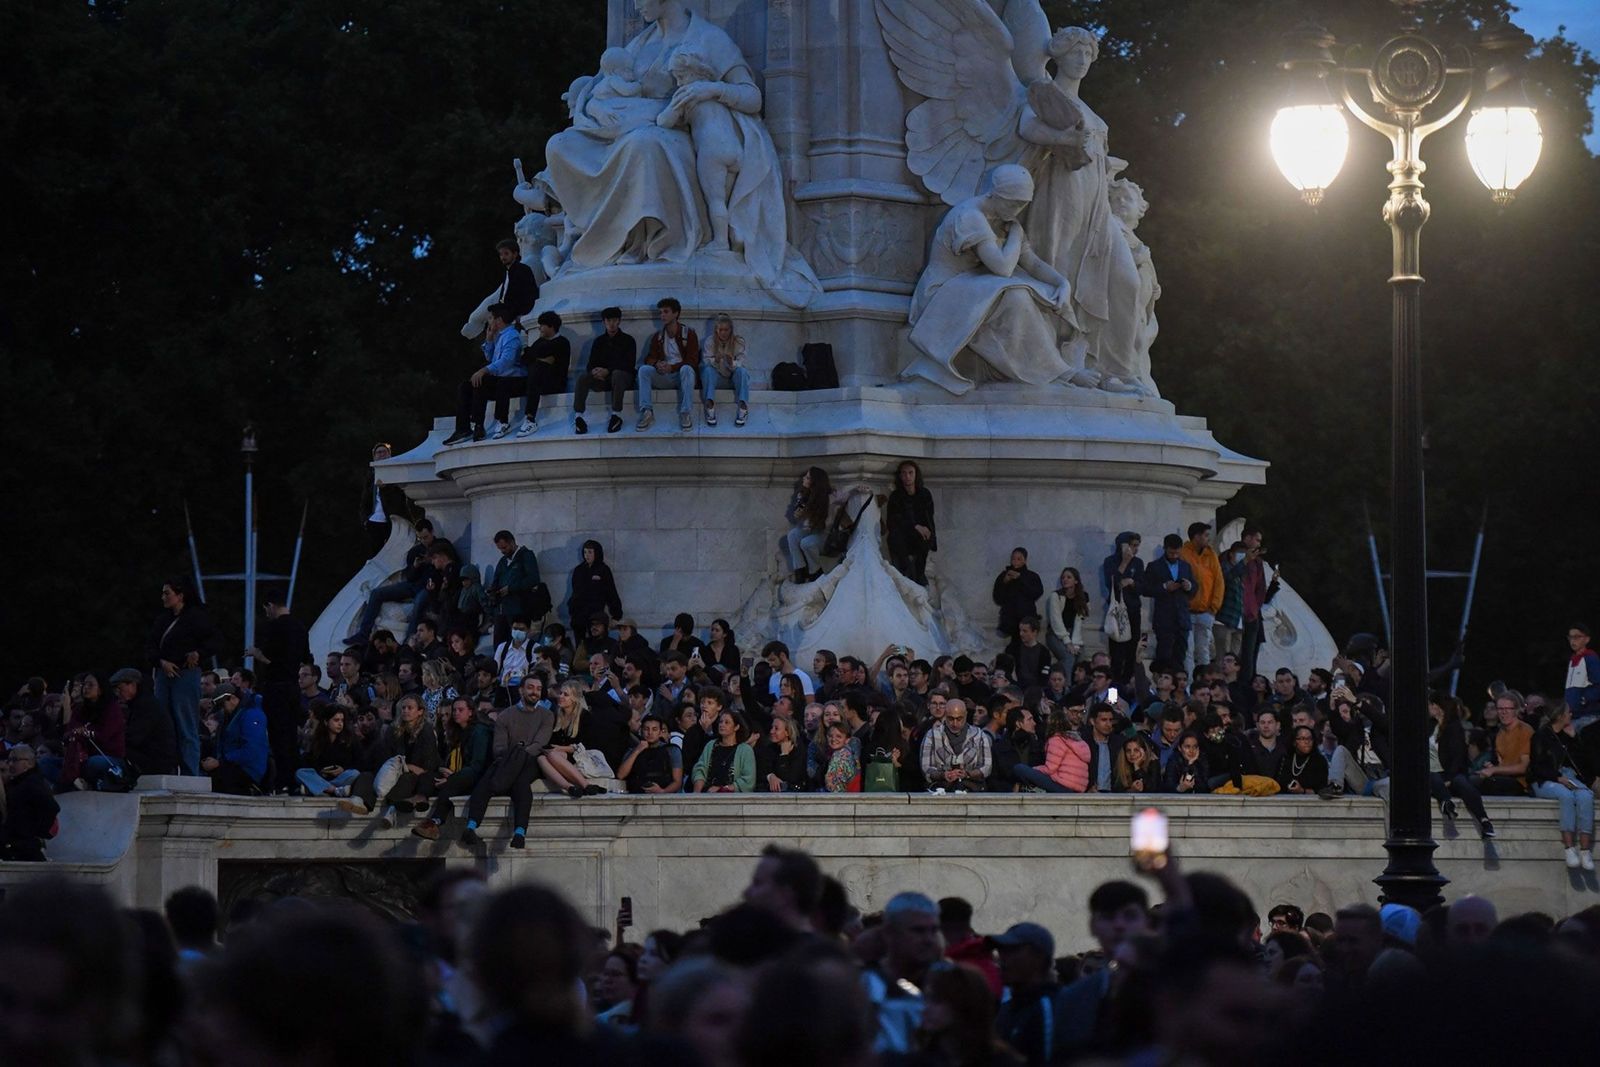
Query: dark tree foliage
{"x": 279, "y": 212}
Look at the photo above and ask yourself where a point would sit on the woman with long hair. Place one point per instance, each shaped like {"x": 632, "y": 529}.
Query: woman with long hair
{"x": 661, "y": 949}
{"x": 722, "y": 650}
{"x": 781, "y": 762}
{"x": 1136, "y": 768}
{"x": 94, "y": 737}
{"x": 817, "y": 750}
{"x": 807, "y": 516}
{"x": 958, "y": 1013}
{"x": 555, "y": 762}
{"x": 1121, "y": 574}
{"x": 722, "y": 363}
{"x": 1066, "y": 758}
{"x": 1557, "y": 771}
{"x": 908, "y": 523}
{"x": 468, "y": 744}
{"x": 1186, "y": 771}
{"x": 1065, "y": 608}
{"x": 843, "y": 772}
{"x": 727, "y": 764}
{"x": 1448, "y": 763}
{"x": 328, "y": 764}
{"x": 407, "y": 753}
{"x": 439, "y": 687}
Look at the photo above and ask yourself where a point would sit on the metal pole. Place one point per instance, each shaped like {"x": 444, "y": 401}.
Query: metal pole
{"x": 294, "y": 567}
{"x": 194, "y": 555}
{"x": 1377, "y": 576}
{"x": 249, "y": 558}
{"x": 1411, "y": 877}
{"x": 1472, "y": 588}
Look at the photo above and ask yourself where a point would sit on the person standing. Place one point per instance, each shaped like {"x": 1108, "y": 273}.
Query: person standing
{"x": 909, "y": 523}
{"x": 1169, "y": 583}
{"x": 283, "y": 648}
{"x": 1228, "y": 633}
{"x": 1583, "y": 677}
{"x": 594, "y": 590}
{"x": 1064, "y": 611}
{"x": 30, "y": 807}
{"x": 1121, "y": 573}
{"x": 380, "y": 503}
{"x": 1016, "y": 591}
{"x": 1258, "y": 593}
{"x": 1206, "y": 600}
{"x": 500, "y": 378}
{"x": 180, "y": 637}
{"x": 511, "y": 585}
{"x": 673, "y": 358}
{"x": 612, "y": 357}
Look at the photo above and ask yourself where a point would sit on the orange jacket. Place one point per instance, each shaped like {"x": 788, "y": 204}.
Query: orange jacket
{"x": 1207, "y": 569}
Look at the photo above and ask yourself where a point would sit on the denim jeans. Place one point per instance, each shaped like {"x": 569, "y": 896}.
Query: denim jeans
{"x": 394, "y": 592}
{"x": 711, "y": 381}
{"x": 649, "y": 379}
{"x": 316, "y": 785}
{"x": 180, "y": 696}
{"x": 1035, "y": 776}
{"x": 804, "y": 548}
{"x": 1064, "y": 657}
{"x": 1577, "y": 805}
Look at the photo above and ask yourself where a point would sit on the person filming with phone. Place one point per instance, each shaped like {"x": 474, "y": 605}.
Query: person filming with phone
{"x": 955, "y": 754}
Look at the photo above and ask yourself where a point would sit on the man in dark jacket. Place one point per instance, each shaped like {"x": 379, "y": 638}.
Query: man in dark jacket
{"x": 181, "y": 636}
{"x": 149, "y": 740}
{"x": 1002, "y": 753}
{"x": 1026, "y": 1020}
{"x": 548, "y": 360}
{"x": 282, "y": 646}
{"x": 31, "y": 807}
{"x": 380, "y": 503}
{"x": 594, "y": 590}
{"x": 1169, "y": 582}
{"x": 511, "y": 585}
{"x": 412, "y": 586}
{"x": 1017, "y": 591}
{"x": 519, "y": 289}
{"x": 613, "y": 357}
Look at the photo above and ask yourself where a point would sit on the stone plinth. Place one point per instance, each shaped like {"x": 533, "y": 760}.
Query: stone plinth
{"x": 683, "y": 858}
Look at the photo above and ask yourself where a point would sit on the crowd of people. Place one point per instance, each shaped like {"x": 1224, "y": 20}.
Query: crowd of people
{"x": 794, "y": 973}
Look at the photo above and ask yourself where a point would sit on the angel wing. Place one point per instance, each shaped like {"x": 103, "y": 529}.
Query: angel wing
{"x": 957, "y": 53}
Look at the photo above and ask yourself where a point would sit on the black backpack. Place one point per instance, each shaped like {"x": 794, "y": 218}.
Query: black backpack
{"x": 789, "y": 377}
{"x": 820, "y": 371}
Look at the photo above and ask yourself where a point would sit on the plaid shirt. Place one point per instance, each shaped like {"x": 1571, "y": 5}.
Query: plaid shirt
{"x": 939, "y": 755}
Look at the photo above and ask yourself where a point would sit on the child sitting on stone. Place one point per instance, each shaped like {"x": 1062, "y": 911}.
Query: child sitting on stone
{"x": 717, "y": 143}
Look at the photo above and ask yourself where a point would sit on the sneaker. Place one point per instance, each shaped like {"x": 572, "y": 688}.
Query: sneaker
{"x": 685, "y": 421}
{"x": 576, "y": 793}
{"x": 391, "y": 818}
{"x": 354, "y": 806}
{"x": 428, "y": 829}
{"x": 646, "y": 418}
{"x": 519, "y": 840}
{"x": 1331, "y": 791}
{"x": 579, "y": 426}
{"x": 480, "y": 433}
{"x": 469, "y": 839}
{"x": 711, "y": 413}
{"x": 341, "y": 790}
{"x": 80, "y": 784}
{"x": 1572, "y": 858}
{"x": 1586, "y": 859}
{"x": 600, "y": 791}
{"x": 614, "y": 424}
{"x": 528, "y": 428}
{"x": 457, "y": 437}
{"x": 491, "y": 427}
{"x": 1447, "y": 808}
{"x": 742, "y": 416}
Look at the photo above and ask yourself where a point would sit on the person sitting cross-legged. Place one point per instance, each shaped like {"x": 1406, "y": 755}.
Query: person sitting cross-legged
{"x": 328, "y": 765}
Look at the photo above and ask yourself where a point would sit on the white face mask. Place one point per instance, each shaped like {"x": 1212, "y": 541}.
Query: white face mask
{"x": 519, "y": 635}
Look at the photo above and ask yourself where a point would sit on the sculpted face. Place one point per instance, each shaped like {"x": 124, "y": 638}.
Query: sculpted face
{"x": 1077, "y": 60}
{"x": 650, "y": 10}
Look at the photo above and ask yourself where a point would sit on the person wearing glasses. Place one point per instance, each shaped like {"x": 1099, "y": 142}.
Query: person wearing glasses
{"x": 31, "y": 807}
{"x": 1513, "y": 740}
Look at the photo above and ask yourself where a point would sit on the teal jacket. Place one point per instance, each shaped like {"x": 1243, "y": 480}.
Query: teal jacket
{"x": 517, "y": 575}
{"x": 744, "y": 767}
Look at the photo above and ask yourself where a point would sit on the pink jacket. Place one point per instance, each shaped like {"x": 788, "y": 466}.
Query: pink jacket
{"x": 1066, "y": 760}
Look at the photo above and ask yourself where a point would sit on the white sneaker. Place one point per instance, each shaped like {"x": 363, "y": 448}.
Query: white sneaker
{"x": 528, "y": 428}
{"x": 646, "y": 417}
{"x": 1586, "y": 860}
{"x": 390, "y": 818}
{"x": 1572, "y": 859}
{"x": 505, "y": 431}
{"x": 491, "y": 428}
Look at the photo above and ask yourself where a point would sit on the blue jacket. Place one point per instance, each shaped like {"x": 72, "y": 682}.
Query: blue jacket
{"x": 1584, "y": 699}
{"x": 1169, "y": 610}
{"x": 244, "y": 741}
{"x": 504, "y": 354}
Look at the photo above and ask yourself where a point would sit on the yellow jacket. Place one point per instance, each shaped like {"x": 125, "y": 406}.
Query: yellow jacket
{"x": 1207, "y": 576}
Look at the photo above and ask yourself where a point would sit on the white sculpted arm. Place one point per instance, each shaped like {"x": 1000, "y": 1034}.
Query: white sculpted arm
{"x": 957, "y": 53}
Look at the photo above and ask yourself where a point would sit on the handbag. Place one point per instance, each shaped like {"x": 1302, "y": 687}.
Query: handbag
{"x": 838, "y": 539}
{"x": 1118, "y": 627}
{"x": 882, "y": 777}
{"x": 591, "y": 762}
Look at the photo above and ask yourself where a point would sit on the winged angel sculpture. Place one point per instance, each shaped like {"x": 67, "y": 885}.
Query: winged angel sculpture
{"x": 982, "y": 67}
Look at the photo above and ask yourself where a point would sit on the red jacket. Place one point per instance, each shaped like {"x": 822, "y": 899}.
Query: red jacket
{"x": 688, "y": 345}
{"x": 975, "y": 952}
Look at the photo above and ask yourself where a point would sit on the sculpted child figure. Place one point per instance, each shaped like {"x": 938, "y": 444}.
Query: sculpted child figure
{"x": 717, "y": 144}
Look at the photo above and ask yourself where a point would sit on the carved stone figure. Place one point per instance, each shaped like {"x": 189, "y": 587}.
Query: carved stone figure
{"x": 987, "y": 306}
{"x": 628, "y": 176}
{"x": 1129, "y": 205}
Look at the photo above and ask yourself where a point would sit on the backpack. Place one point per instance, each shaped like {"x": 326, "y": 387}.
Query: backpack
{"x": 820, "y": 371}
{"x": 789, "y": 377}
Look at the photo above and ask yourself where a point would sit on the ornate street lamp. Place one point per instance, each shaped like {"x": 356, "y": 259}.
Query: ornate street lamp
{"x": 1406, "y": 90}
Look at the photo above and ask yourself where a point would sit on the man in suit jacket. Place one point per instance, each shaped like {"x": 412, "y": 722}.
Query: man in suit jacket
{"x": 511, "y": 585}
{"x": 1169, "y": 582}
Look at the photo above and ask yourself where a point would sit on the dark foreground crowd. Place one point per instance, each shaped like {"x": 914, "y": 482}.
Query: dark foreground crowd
{"x": 795, "y": 974}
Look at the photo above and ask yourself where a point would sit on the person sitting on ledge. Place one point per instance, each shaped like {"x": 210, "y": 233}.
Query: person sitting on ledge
{"x": 673, "y": 356}
{"x": 548, "y": 359}
{"x": 724, "y": 366}
{"x": 653, "y": 765}
{"x": 612, "y": 357}
{"x": 955, "y": 755}
{"x": 500, "y": 378}
{"x": 727, "y": 765}
{"x": 241, "y": 762}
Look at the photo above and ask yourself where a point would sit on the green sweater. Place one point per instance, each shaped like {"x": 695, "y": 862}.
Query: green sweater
{"x": 744, "y": 767}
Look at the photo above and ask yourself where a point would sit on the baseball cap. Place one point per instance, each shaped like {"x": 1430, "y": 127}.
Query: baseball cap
{"x": 126, "y": 674}
{"x": 226, "y": 689}
{"x": 1031, "y": 935}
